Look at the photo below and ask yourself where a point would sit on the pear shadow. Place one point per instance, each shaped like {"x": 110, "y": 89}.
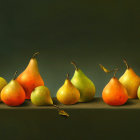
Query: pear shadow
{"x": 130, "y": 102}
{"x": 96, "y": 99}
{"x": 26, "y": 103}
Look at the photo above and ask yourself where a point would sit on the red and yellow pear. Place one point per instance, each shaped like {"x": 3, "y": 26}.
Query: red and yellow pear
{"x": 114, "y": 92}
{"x": 130, "y": 81}
{"x": 30, "y": 78}
{"x": 13, "y": 94}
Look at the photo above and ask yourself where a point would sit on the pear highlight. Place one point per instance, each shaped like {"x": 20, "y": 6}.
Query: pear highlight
{"x": 13, "y": 94}
{"x": 68, "y": 94}
{"x": 83, "y": 84}
{"x": 30, "y": 78}
{"x": 114, "y": 92}
{"x": 130, "y": 81}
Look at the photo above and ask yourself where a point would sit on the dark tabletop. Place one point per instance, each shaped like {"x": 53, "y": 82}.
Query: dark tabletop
{"x": 93, "y": 120}
{"x": 96, "y": 103}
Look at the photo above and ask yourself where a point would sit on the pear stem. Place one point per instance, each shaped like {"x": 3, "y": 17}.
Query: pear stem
{"x": 115, "y": 71}
{"x": 35, "y": 54}
{"x": 67, "y": 75}
{"x": 125, "y": 62}
{"x": 73, "y": 63}
{"x": 15, "y": 75}
{"x": 60, "y": 111}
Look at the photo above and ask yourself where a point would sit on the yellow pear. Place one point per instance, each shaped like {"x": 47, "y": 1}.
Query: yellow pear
{"x": 68, "y": 94}
{"x": 130, "y": 81}
{"x": 3, "y": 83}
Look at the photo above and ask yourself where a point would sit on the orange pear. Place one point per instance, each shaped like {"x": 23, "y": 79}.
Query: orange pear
{"x": 131, "y": 81}
{"x": 30, "y": 78}
{"x": 13, "y": 94}
{"x": 114, "y": 92}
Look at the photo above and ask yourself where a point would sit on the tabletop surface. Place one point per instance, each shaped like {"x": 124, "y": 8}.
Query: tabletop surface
{"x": 96, "y": 103}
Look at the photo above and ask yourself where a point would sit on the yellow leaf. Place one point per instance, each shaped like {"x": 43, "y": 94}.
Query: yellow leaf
{"x": 63, "y": 113}
{"x": 104, "y": 69}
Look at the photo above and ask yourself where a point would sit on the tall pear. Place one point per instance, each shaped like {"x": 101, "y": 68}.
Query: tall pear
{"x": 83, "y": 84}
{"x": 13, "y": 94}
{"x": 30, "y": 78}
{"x": 131, "y": 81}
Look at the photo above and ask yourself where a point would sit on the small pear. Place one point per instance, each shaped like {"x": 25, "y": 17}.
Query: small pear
{"x": 114, "y": 92}
{"x": 3, "y": 83}
{"x": 83, "y": 84}
{"x": 68, "y": 94}
{"x": 131, "y": 81}
{"x": 13, "y": 94}
{"x": 30, "y": 78}
{"x": 41, "y": 96}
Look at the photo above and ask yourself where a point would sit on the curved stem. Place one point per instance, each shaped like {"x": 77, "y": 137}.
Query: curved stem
{"x": 125, "y": 62}
{"x": 15, "y": 75}
{"x": 60, "y": 111}
{"x": 73, "y": 63}
{"x": 35, "y": 54}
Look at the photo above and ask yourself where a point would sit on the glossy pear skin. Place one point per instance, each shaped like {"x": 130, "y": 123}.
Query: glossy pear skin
{"x": 30, "y": 78}
{"x": 84, "y": 85}
{"x": 13, "y": 94}
{"x": 114, "y": 93}
{"x": 131, "y": 82}
{"x": 41, "y": 96}
{"x": 68, "y": 94}
{"x": 3, "y": 83}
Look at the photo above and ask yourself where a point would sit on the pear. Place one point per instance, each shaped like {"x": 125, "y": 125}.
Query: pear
{"x": 131, "y": 81}
{"x": 13, "y": 94}
{"x": 68, "y": 94}
{"x": 114, "y": 92}
{"x": 138, "y": 92}
{"x": 41, "y": 96}
{"x": 83, "y": 84}
{"x": 3, "y": 83}
{"x": 30, "y": 78}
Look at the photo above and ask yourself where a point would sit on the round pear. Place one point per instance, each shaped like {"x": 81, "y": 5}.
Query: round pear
{"x": 41, "y": 96}
{"x": 114, "y": 92}
{"x": 13, "y": 94}
{"x": 68, "y": 94}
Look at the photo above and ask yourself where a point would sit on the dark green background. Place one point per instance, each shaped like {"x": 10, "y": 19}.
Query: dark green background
{"x": 89, "y": 32}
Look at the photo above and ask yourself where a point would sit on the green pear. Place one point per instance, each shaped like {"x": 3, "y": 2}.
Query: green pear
{"x": 85, "y": 86}
{"x": 3, "y": 83}
{"x": 41, "y": 96}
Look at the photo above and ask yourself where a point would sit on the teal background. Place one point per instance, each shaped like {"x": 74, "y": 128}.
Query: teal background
{"x": 89, "y": 32}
